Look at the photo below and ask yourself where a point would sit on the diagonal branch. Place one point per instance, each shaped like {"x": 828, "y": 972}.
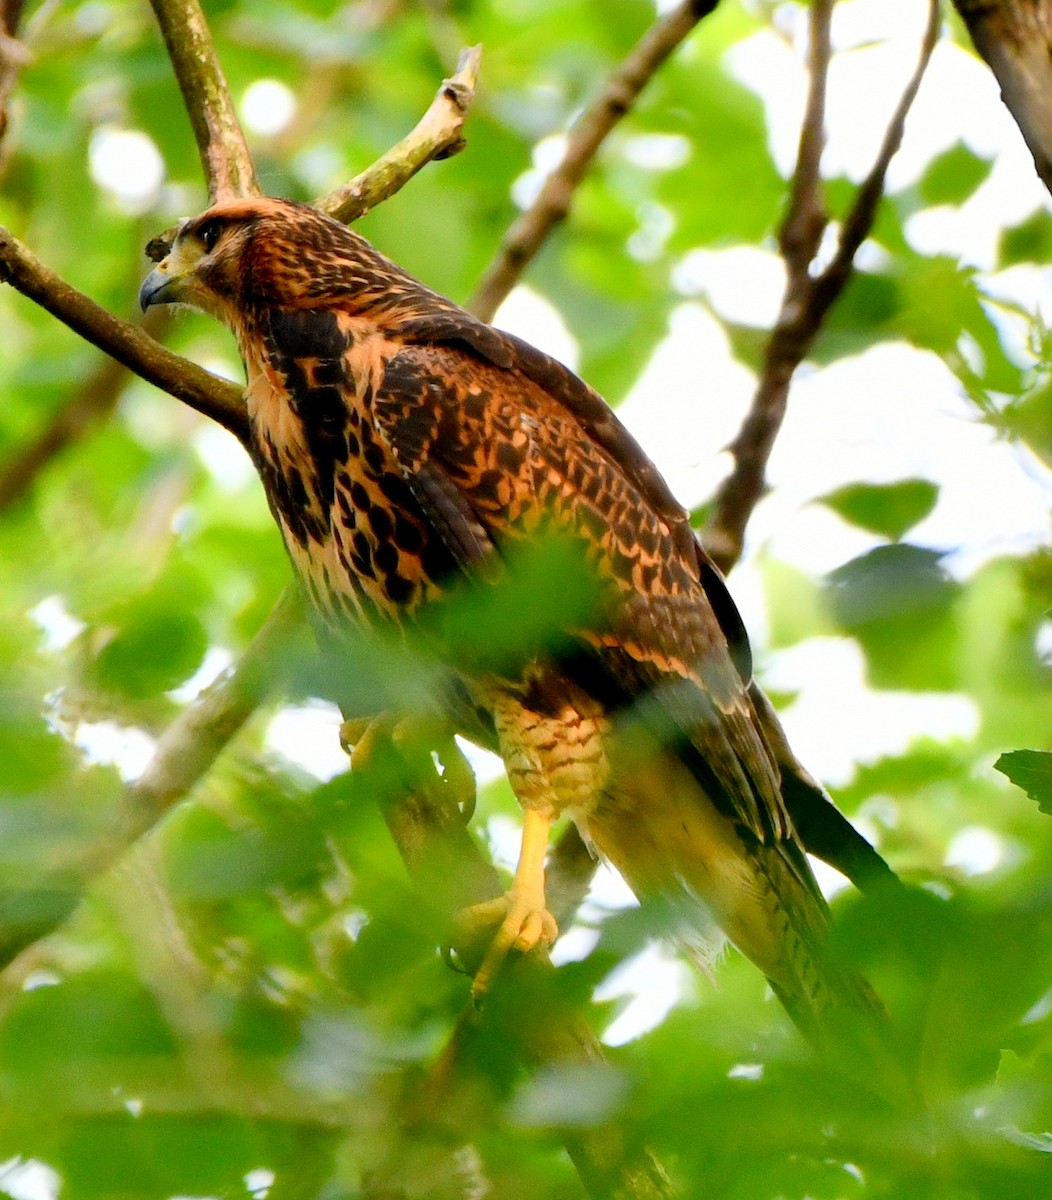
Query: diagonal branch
{"x": 220, "y": 141}
{"x": 128, "y": 344}
{"x": 807, "y": 297}
{"x": 526, "y": 236}
{"x": 863, "y": 212}
{"x": 436, "y": 135}
{"x": 184, "y": 754}
{"x": 805, "y": 219}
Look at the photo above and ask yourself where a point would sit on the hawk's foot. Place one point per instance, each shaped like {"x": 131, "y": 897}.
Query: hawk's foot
{"x": 523, "y": 923}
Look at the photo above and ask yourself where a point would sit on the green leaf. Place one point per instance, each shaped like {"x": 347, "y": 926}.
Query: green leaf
{"x": 795, "y": 610}
{"x": 951, "y": 177}
{"x": 1028, "y": 242}
{"x": 885, "y": 508}
{"x": 861, "y": 316}
{"x": 157, "y": 648}
{"x": 209, "y": 860}
{"x": 900, "y": 604}
{"x": 1030, "y": 770}
{"x": 1030, "y": 419}
{"x": 545, "y": 590}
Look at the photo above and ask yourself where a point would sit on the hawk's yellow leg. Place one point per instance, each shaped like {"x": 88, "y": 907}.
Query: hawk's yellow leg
{"x": 522, "y": 911}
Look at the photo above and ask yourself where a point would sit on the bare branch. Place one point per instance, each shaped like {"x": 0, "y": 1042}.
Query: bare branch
{"x": 805, "y": 218}
{"x": 1015, "y": 39}
{"x": 220, "y": 141}
{"x": 129, "y": 345}
{"x": 527, "y": 234}
{"x": 184, "y": 754}
{"x": 805, "y": 303}
{"x": 863, "y": 212}
{"x": 436, "y": 135}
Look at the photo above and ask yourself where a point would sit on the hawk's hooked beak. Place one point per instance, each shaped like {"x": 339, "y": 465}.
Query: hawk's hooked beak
{"x": 158, "y": 287}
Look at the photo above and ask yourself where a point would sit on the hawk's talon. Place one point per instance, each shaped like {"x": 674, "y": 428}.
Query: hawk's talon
{"x": 525, "y": 924}
{"x": 360, "y": 737}
{"x": 452, "y": 960}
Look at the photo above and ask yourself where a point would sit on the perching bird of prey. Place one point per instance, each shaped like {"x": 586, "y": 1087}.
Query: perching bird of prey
{"x": 405, "y": 446}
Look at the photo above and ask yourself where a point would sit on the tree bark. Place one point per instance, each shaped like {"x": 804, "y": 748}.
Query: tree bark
{"x": 1015, "y": 39}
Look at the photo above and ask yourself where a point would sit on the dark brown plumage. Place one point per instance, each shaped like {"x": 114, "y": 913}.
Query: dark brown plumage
{"x": 405, "y": 445}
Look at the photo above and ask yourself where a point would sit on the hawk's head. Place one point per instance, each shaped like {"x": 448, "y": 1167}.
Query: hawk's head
{"x": 241, "y": 255}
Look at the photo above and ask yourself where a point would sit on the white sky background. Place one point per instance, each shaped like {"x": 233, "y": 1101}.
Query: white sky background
{"x": 890, "y": 413}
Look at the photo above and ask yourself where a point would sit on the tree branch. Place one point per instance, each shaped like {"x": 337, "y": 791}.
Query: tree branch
{"x": 615, "y": 99}
{"x": 225, "y": 158}
{"x": 805, "y": 219}
{"x": 807, "y": 297}
{"x": 436, "y": 135}
{"x": 129, "y": 345}
{"x": 1015, "y": 39}
{"x": 184, "y": 754}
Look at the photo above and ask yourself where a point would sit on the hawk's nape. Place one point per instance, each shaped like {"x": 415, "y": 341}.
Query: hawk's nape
{"x": 405, "y": 447}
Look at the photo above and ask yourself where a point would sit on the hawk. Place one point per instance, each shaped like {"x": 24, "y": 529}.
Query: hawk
{"x": 406, "y": 446}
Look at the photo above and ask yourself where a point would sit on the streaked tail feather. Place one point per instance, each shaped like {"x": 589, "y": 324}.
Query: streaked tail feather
{"x": 712, "y": 872}
{"x": 828, "y": 1000}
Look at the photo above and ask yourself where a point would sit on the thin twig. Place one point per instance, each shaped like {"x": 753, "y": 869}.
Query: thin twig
{"x": 863, "y": 212}
{"x": 193, "y": 742}
{"x": 225, "y": 158}
{"x": 805, "y": 218}
{"x": 183, "y": 755}
{"x": 615, "y": 99}
{"x": 1015, "y": 39}
{"x": 81, "y": 412}
{"x": 436, "y": 135}
{"x": 129, "y": 345}
{"x": 807, "y": 298}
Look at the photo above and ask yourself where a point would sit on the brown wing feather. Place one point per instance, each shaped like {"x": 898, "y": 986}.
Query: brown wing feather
{"x": 518, "y": 457}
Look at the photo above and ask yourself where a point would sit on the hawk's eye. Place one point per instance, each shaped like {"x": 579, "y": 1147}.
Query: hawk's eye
{"x": 209, "y": 235}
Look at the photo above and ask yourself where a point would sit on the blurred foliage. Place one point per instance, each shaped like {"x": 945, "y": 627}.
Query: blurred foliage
{"x": 890, "y": 509}
{"x": 251, "y": 1002}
